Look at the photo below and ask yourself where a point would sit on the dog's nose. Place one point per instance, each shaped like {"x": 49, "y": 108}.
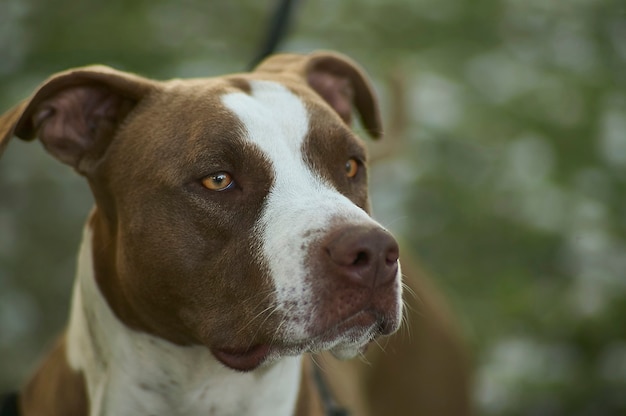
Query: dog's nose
{"x": 366, "y": 256}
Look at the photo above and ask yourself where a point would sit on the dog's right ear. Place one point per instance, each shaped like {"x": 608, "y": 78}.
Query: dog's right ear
{"x": 75, "y": 113}
{"x": 340, "y": 81}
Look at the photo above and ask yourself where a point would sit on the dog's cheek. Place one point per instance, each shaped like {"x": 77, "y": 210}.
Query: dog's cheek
{"x": 156, "y": 261}
{"x": 223, "y": 290}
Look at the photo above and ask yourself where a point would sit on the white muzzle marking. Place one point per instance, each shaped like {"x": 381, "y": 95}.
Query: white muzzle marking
{"x": 300, "y": 204}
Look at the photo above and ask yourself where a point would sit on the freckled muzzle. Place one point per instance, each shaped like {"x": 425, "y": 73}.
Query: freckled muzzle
{"x": 355, "y": 284}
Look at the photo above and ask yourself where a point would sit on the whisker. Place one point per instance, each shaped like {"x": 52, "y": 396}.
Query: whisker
{"x": 287, "y": 313}
{"x": 314, "y": 359}
{"x": 389, "y": 224}
{"x": 251, "y": 321}
{"x": 364, "y": 360}
{"x": 408, "y": 289}
{"x": 266, "y": 294}
{"x": 405, "y": 325}
{"x": 376, "y": 341}
{"x": 260, "y": 326}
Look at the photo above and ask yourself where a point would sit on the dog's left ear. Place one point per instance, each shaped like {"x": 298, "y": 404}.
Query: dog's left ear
{"x": 8, "y": 122}
{"x": 337, "y": 79}
{"x": 75, "y": 113}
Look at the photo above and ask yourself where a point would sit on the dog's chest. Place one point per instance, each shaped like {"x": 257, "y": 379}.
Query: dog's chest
{"x": 131, "y": 373}
{"x": 223, "y": 393}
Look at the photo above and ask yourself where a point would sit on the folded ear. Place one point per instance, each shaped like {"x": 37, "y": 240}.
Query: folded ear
{"x": 337, "y": 79}
{"x": 76, "y": 113}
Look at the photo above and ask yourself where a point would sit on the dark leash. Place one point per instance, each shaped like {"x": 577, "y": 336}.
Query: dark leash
{"x": 276, "y": 31}
{"x": 8, "y": 405}
{"x": 330, "y": 405}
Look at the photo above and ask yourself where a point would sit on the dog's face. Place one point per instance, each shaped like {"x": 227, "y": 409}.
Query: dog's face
{"x": 230, "y": 212}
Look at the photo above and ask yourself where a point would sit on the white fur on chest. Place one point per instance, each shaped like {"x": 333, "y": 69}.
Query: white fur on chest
{"x": 132, "y": 373}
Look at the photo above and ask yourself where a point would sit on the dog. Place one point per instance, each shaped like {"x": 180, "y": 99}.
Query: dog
{"x": 230, "y": 239}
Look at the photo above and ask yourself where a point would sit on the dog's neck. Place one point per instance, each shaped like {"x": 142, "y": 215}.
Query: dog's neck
{"x": 132, "y": 373}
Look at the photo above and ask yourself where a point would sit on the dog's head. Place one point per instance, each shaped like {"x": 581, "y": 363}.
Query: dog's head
{"x": 233, "y": 211}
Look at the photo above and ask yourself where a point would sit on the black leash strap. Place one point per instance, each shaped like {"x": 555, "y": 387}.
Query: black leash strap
{"x": 331, "y": 408}
{"x": 277, "y": 30}
{"x": 8, "y": 405}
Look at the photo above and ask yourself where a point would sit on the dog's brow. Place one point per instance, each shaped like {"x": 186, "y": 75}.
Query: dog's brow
{"x": 275, "y": 120}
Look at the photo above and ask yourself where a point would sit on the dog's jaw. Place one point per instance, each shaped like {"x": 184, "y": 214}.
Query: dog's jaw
{"x": 129, "y": 373}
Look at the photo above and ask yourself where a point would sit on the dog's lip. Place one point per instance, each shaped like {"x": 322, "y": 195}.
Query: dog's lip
{"x": 360, "y": 325}
{"x": 362, "y": 319}
{"x": 365, "y": 321}
{"x": 242, "y": 359}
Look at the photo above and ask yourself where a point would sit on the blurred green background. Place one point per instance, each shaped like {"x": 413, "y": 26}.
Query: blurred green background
{"x": 509, "y": 185}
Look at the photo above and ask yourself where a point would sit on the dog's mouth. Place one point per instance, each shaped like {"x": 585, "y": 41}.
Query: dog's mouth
{"x": 352, "y": 335}
{"x": 344, "y": 339}
{"x": 243, "y": 359}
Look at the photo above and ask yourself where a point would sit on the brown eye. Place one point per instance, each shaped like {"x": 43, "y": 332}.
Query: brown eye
{"x": 219, "y": 181}
{"x": 352, "y": 168}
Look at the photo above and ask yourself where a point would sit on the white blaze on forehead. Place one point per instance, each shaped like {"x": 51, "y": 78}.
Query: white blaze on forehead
{"x": 300, "y": 204}
{"x": 275, "y": 118}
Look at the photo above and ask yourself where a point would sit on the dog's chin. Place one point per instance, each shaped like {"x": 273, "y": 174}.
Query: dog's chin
{"x": 348, "y": 351}
{"x": 344, "y": 340}
{"x": 262, "y": 355}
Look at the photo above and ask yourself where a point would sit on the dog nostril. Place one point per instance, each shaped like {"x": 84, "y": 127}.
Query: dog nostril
{"x": 365, "y": 256}
{"x": 393, "y": 254}
{"x": 362, "y": 259}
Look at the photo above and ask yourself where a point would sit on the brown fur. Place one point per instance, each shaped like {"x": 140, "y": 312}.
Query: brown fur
{"x": 55, "y": 389}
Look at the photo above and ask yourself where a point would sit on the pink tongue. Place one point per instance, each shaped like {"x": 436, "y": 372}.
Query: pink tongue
{"x": 243, "y": 360}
